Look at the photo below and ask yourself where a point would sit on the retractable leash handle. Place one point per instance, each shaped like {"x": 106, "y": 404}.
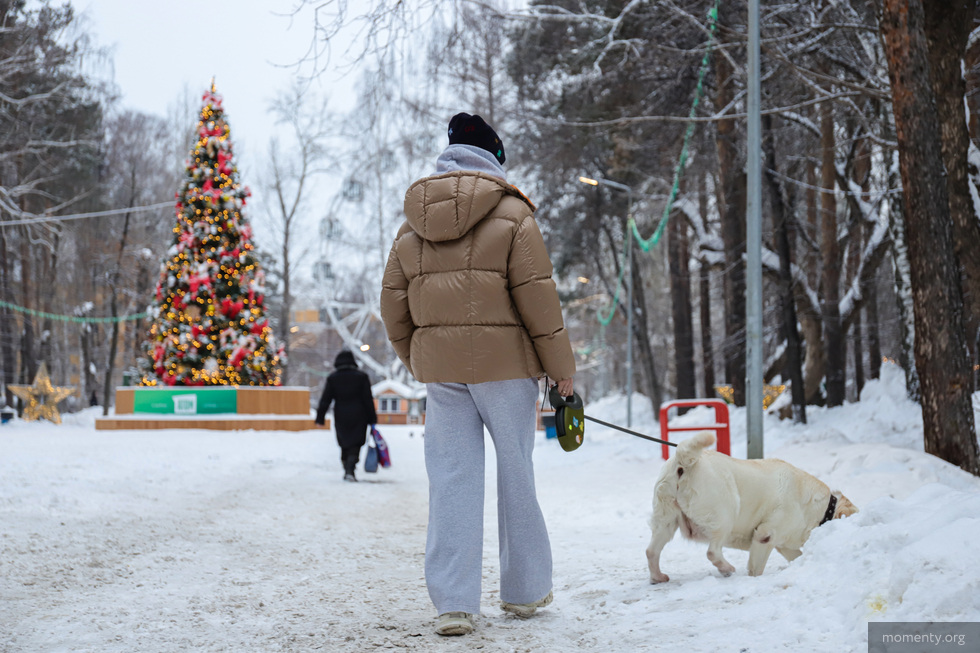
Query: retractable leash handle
{"x": 569, "y": 419}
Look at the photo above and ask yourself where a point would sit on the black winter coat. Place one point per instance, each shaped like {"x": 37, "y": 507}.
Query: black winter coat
{"x": 349, "y": 389}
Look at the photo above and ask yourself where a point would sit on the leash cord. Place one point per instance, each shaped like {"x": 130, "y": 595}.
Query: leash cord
{"x": 625, "y": 430}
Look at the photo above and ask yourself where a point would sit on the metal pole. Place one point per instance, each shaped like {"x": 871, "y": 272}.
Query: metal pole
{"x": 629, "y": 305}
{"x": 753, "y": 235}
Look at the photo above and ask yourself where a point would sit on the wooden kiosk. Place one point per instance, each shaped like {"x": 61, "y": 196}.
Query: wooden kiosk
{"x": 223, "y": 408}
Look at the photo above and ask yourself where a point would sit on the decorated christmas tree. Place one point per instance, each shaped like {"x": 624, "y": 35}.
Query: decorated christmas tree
{"x": 209, "y": 325}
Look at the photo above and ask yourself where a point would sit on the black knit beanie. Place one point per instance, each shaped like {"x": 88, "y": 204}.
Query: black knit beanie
{"x": 473, "y": 130}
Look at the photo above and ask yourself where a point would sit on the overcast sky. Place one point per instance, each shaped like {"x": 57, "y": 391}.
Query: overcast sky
{"x": 161, "y": 48}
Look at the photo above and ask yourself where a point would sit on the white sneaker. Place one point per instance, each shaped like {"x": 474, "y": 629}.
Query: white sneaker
{"x": 525, "y": 610}
{"x": 454, "y": 623}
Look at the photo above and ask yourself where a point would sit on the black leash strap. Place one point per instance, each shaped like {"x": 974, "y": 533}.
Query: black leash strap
{"x": 620, "y": 428}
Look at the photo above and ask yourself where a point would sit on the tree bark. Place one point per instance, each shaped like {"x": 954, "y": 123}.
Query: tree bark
{"x": 641, "y": 337}
{"x": 704, "y": 279}
{"x": 89, "y": 381}
{"x": 110, "y": 368}
{"x": 815, "y": 362}
{"x": 793, "y": 367}
{"x": 680, "y": 294}
{"x": 28, "y": 359}
{"x": 869, "y": 289}
{"x": 830, "y": 255}
{"x": 940, "y": 342}
{"x": 9, "y": 360}
{"x": 856, "y": 323}
{"x": 732, "y": 185}
{"x": 947, "y": 28}
{"x": 903, "y": 299}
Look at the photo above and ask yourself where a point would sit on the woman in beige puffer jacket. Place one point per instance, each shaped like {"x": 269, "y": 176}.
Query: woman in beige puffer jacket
{"x": 468, "y": 295}
{"x": 472, "y": 311}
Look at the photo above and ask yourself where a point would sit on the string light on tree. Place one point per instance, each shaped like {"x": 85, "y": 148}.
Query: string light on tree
{"x": 209, "y": 318}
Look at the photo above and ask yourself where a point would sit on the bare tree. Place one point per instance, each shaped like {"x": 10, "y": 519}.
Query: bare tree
{"x": 293, "y": 164}
{"x": 137, "y": 161}
{"x": 50, "y": 121}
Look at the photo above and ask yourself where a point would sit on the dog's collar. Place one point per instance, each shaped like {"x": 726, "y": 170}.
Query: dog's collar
{"x": 831, "y": 507}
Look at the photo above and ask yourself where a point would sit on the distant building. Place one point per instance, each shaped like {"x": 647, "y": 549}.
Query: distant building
{"x": 397, "y": 403}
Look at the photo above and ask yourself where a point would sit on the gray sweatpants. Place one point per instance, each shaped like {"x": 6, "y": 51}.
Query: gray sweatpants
{"x": 454, "y": 459}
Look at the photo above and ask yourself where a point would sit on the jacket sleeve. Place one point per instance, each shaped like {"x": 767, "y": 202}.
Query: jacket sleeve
{"x": 325, "y": 400}
{"x": 536, "y": 298}
{"x": 394, "y": 308}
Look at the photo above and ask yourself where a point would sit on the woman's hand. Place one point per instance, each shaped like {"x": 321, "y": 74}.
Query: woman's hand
{"x": 566, "y": 387}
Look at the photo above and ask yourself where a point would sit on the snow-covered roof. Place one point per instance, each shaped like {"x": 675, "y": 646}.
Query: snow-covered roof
{"x": 398, "y": 388}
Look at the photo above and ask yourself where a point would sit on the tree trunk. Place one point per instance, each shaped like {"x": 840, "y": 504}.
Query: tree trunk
{"x": 830, "y": 254}
{"x": 869, "y": 289}
{"x": 88, "y": 378}
{"x": 811, "y": 321}
{"x": 947, "y": 28}
{"x": 704, "y": 278}
{"x": 641, "y": 338}
{"x": 9, "y": 360}
{"x": 28, "y": 359}
{"x": 903, "y": 298}
{"x": 285, "y": 315}
{"x": 940, "y": 342}
{"x": 856, "y": 324}
{"x": 874, "y": 339}
{"x": 110, "y": 368}
{"x": 680, "y": 294}
{"x": 812, "y": 227}
{"x": 733, "y": 234}
{"x": 732, "y": 184}
{"x": 793, "y": 368}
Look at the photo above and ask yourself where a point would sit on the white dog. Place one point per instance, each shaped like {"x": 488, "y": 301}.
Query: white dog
{"x": 753, "y": 505}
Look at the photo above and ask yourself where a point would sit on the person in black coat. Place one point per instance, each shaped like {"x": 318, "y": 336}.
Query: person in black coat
{"x": 349, "y": 389}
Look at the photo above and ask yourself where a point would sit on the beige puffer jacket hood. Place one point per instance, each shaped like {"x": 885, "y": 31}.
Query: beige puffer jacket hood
{"x": 467, "y": 295}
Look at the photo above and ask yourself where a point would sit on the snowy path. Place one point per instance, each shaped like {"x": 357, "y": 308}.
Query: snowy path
{"x": 205, "y": 541}
{"x": 184, "y": 541}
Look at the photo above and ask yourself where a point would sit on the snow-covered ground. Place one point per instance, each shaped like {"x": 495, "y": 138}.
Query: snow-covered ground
{"x": 176, "y": 540}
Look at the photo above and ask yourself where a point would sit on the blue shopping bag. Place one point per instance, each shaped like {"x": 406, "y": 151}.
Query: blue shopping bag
{"x": 371, "y": 459}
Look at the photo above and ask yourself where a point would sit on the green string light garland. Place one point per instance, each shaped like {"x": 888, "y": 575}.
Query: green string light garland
{"x": 72, "y": 318}
{"x": 646, "y": 244}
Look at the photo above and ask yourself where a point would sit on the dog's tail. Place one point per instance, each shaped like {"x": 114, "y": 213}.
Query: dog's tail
{"x": 689, "y": 451}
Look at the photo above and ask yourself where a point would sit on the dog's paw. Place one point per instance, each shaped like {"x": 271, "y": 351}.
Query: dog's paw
{"x": 726, "y": 570}
{"x": 658, "y": 578}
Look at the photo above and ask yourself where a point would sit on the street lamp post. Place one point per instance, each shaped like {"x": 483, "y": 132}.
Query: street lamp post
{"x": 629, "y": 287}
{"x": 753, "y": 238}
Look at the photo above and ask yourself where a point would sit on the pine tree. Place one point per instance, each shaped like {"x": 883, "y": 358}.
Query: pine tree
{"x": 209, "y": 323}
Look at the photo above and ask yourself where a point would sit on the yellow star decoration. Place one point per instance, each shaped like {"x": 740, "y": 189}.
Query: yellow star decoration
{"x": 42, "y": 398}
{"x": 769, "y": 393}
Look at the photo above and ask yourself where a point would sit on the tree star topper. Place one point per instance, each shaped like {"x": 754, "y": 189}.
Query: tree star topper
{"x": 41, "y": 397}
